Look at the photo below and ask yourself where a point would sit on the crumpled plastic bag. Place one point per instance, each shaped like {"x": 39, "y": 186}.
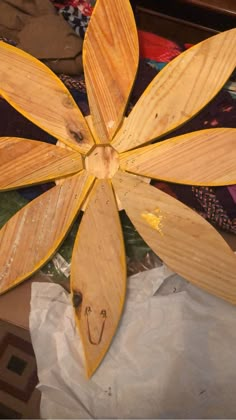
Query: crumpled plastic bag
{"x": 173, "y": 355}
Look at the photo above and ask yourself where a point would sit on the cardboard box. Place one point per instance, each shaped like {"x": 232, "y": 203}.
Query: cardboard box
{"x": 15, "y": 304}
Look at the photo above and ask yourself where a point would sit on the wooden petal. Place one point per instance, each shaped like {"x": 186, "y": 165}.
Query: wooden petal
{"x": 35, "y": 91}
{"x": 26, "y": 162}
{"x": 205, "y": 157}
{"x": 98, "y": 274}
{"x": 183, "y": 239}
{"x": 110, "y": 57}
{"x": 33, "y": 234}
{"x": 180, "y": 90}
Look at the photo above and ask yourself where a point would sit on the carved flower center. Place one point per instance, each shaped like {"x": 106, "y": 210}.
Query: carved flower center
{"x": 102, "y": 162}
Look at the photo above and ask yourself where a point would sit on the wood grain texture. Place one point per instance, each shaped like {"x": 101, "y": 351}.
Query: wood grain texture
{"x": 110, "y": 57}
{"x": 102, "y": 162}
{"x": 206, "y": 157}
{"x": 35, "y": 91}
{"x": 33, "y": 234}
{"x": 179, "y": 91}
{"x": 26, "y": 162}
{"x": 98, "y": 273}
{"x": 183, "y": 240}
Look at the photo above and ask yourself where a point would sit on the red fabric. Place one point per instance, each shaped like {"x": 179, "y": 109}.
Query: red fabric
{"x": 82, "y": 5}
{"x": 157, "y": 48}
{"x": 187, "y": 46}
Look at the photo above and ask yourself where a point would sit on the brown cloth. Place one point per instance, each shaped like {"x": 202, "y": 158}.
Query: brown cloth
{"x": 37, "y": 29}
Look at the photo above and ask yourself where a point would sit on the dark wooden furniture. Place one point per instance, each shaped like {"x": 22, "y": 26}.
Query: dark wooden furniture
{"x": 224, "y": 7}
{"x": 186, "y": 20}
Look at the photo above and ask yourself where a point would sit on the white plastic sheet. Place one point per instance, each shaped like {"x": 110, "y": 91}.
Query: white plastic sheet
{"x": 174, "y": 354}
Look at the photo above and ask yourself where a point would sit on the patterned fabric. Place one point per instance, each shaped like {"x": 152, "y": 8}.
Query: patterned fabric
{"x": 157, "y": 49}
{"x": 18, "y": 379}
{"x": 76, "y": 12}
{"x": 212, "y": 208}
{"x": 77, "y": 83}
{"x": 8, "y": 41}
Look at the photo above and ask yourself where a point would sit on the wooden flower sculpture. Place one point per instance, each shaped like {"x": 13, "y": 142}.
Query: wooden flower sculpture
{"x": 103, "y": 161}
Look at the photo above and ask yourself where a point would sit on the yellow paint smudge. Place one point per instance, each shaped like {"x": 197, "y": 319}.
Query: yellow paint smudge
{"x": 154, "y": 220}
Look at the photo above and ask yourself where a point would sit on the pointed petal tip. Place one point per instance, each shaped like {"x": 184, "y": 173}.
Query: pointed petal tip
{"x": 91, "y": 368}
{"x": 18, "y": 157}
{"x": 179, "y": 91}
{"x": 188, "y": 158}
{"x": 91, "y": 357}
{"x": 110, "y": 60}
{"x": 99, "y": 241}
{"x": 185, "y": 241}
{"x": 51, "y": 107}
{"x": 37, "y": 230}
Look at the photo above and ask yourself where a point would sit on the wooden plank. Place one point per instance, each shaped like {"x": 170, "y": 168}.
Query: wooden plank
{"x": 110, "y": 57}
{"x": 179, "y": 91}
{"x": 171, "y": 27}
{"x": 35, "y": 91}
{"x": 205, "y": 157}
{"x": 26, "y": 162}
{"x": 227, "y": 7}
{"x": 183, "y": 240}
{"x": 98, "y": 274}
{"x": 33, "y": 234}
